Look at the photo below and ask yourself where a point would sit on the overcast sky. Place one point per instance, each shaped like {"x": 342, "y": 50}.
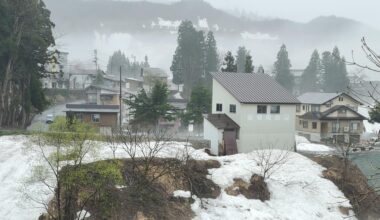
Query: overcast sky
{"x": 366, "y": 11}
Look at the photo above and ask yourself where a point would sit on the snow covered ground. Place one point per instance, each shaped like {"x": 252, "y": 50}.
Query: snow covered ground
{"x": 304, "y": 145}
{"x": 298, "y": 191}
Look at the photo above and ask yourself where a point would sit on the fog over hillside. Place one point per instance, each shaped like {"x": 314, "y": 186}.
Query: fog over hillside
{"x": 146, "y": 28}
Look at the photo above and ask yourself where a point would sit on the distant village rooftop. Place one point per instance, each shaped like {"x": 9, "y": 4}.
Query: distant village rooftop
{"x": 254, "y": 88}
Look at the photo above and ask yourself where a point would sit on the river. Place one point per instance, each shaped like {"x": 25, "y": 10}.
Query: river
{"x": 369, "y": 164}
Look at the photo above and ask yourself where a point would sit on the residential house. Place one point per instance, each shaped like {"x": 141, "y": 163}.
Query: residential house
{"x": 57, "y": 71}
{"x": 249, "y": 111}
{"x": 151, "y": 75}
{"x": 104, "y": 117}
{"x": 80, "y": 79}
{"x": 134, "y": 84}
{"x": 102, "y": 107}
{"x": 329, "y": 116}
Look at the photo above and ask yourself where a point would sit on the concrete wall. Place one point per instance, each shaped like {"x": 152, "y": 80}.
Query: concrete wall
{"x": 257, "y": 130}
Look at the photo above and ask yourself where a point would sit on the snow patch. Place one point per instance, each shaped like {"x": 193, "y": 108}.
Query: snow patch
{"x": 81, "y": 215}
{"x": 257, "y": 36}
{"x": 313, "y": 147}
{"x": 202, "y": 23}
{"x": 301, "y": 139}
{"x": 181, "y": 193}
{"x": 162, "y": 23}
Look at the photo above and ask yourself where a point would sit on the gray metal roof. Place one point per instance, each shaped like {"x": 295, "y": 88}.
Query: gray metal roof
{"x": 222, "y": 121}
{"x": 318, "y": 98}
{"x": 255, "y": 88}
{"x": 92, "y": 108}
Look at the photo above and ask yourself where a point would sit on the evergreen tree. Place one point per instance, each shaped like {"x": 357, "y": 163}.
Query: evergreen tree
{"x": 177, "y": 68}
{"x": 241, "y": 59}
{"x": 261, "y": 69}
{"x": 188, "y": 64}
{"x": 116, "y": 61}
{"x": 25, "y": 37}
{"x": 248, "y": 64}
{"x": 212, "y": 59}
{"x": 282, "y": 69}
{"x": 147, "y": 109}
{"x": 200, "y": 103}
{"x": 375, "y": 113}
{"x": 229, "y": 63}
{"x": 334, "y": 72}
{"x": 311, "y": 76}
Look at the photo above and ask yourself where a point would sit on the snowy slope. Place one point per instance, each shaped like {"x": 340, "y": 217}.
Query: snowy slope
{"x": 298, "y": 190}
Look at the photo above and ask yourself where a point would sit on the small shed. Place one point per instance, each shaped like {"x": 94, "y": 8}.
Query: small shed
{"x": 222, "y": 132}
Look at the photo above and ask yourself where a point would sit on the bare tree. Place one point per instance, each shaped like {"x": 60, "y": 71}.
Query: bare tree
{"x": 63, "y": 145}
{"x": 270, "y": 160}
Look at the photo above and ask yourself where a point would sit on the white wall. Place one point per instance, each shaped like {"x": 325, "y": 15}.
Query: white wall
{"x": 267, "y": 130}
{"x": 257, "y": 130}
{"x": 211, "y": 133}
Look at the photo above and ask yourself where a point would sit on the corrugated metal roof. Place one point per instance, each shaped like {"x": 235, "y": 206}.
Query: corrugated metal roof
{"x": 222, "y": 121}
{"x": 318, "y": 98}
{"x": 255, "y": 88}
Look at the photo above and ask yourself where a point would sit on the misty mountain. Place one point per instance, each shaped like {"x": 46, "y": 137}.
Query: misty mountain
{"x": 154, "y": 21}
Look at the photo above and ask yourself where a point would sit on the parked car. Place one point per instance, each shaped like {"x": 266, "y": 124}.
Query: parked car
{"x": 49, "y": 119}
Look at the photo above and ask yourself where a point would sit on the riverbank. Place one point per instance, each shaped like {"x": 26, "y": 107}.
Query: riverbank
{"x": 354, "y": 185}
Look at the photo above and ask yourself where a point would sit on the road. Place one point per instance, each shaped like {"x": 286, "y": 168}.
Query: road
{"x": 39, "y": 121}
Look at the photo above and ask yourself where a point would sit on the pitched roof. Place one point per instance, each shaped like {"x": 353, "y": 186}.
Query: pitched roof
{"x": 157, "y": 72}
{"x": 222, "y": 121}
{"x": 255, "y": 88}
{"x": 92, "y": 108}
{"x": 324, "y": 115}
{"x": 320, "y": 98}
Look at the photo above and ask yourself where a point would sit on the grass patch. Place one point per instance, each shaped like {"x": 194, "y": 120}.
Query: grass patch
{"x": 14, "y": 132}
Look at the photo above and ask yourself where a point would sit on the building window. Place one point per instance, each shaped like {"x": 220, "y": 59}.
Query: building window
{"x": 315, "y": 108}
{"x": 305, "y": 124}
{"x": 354, "y": 126}
{"x": 233, "y": 108}
{"x": 219, "y": 107}
{"x": 303, "y": 107}
{"x": 335, "y": 127}
{"x": 261, "y": 109}
{"x": 314, "y": 125}
{"x": 95, "y": 118}
{"x": 300, "y": 122}
{"x": 340, "y": 98}
{"x": 328, "y": 105}
{"x": 275, "y": 109}
{"x": 298, "y": 108}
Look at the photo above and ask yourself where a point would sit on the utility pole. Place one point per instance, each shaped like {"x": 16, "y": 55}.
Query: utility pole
{"x": 120, "y": 102}
{"x": 96, "y": 59}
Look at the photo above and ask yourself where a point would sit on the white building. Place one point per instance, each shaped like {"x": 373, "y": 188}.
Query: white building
{"x": 57, "y": 72}
{"x": 249, "y": 111}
